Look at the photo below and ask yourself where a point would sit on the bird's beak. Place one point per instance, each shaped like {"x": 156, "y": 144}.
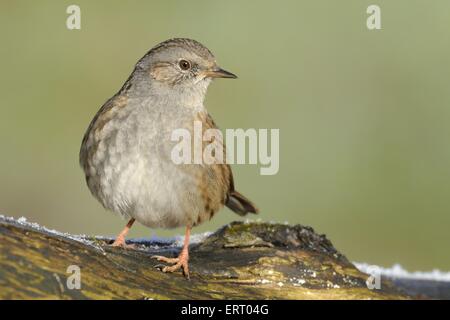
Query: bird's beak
{"x": 220, "y": 73}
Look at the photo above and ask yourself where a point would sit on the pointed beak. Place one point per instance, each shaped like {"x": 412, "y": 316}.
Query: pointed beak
{"x": 220, "y": 73}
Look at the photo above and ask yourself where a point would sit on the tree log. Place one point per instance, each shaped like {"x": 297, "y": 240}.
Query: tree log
{"x": 239, "y": 261}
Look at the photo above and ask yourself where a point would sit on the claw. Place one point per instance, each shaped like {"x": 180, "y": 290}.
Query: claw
{"x": 183, "y": 265}
{"x": 120, "y": 242}
{"x": 165, "y": 259}
{"x": 159, "y": 266}
{"x": 182, "y": 261}
{"x": 177, "y": 263}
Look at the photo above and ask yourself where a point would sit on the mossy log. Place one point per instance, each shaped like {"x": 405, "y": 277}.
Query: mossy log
{"x": 239, "y": 261}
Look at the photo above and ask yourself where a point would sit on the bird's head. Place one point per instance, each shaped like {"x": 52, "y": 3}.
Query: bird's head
{"x": 182, "y": 66}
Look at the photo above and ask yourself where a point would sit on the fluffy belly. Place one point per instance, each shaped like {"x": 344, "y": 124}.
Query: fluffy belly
{"x": 131, "y": 172}
{"x": 155, "y": 193}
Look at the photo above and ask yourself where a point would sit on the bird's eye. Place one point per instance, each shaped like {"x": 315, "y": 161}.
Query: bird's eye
{"x": 184, "y": 65}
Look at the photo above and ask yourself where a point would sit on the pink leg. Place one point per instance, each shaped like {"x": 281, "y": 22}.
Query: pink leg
{"x": 120, "y": 240}
{"x": 182, "y": 260}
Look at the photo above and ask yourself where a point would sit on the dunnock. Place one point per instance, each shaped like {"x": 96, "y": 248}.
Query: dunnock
{"x": 126, "y": 151}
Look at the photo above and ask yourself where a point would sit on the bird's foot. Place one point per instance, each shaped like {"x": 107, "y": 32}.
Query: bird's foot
{"x": 120, "y": 242}
{"x": 165, "y": 259}
{"x": 177, "y": 263}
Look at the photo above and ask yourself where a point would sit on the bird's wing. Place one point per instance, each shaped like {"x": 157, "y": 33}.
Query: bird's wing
{"x": 233, "y": 199}
{"x": 101, "y": 118}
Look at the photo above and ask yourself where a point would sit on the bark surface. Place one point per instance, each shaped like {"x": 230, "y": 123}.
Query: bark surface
{"x": 239, "y": 261}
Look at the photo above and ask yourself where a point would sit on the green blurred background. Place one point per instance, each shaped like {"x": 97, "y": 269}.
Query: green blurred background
{"x": 364, "y": 116}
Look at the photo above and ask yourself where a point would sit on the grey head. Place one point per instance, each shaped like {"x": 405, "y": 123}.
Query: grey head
{"x": 181, "y": 68}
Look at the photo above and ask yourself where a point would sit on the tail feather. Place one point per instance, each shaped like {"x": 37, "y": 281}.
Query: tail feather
{"x": 240, "y": 204}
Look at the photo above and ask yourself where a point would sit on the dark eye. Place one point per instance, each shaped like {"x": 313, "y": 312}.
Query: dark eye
{"x": 184, "y": 65}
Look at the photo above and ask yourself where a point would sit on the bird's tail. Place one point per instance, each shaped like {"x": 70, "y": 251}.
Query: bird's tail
{"x": 240, "y": 204}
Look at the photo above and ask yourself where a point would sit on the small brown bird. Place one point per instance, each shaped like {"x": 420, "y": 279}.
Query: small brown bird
{"x": 126, "y": 150}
